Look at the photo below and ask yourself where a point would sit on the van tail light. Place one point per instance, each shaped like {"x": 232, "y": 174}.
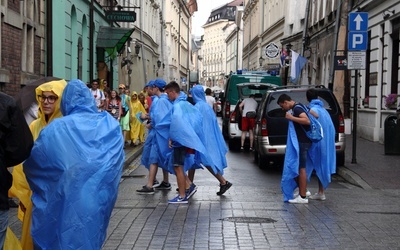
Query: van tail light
{"x": 232, "y": 118}
{"x": 227, "y": 109}
{"x": 264, "y": 131}
{"x": 341, "y": 124}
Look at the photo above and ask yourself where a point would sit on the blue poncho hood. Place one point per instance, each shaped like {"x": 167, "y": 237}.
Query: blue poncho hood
{"x": 74, "y": 171}
{"x": 213, "y": 139}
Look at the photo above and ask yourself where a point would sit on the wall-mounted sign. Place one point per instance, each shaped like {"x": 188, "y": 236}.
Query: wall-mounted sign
{"x": 272, "y": 50}
{"x": 121, "y": 16}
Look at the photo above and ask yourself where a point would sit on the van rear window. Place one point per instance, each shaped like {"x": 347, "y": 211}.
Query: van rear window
{"x": 274, "y": 110}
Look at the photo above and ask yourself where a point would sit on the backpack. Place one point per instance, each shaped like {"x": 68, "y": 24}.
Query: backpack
{"x": 316, "y": 133}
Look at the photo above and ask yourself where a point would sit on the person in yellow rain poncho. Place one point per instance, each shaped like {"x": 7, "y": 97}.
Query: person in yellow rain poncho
{"x": 48, "y": 96}
{"x": 137, "y": 128}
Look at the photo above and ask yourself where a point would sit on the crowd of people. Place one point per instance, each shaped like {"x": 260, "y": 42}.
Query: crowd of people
{"x": 68, "y": 172}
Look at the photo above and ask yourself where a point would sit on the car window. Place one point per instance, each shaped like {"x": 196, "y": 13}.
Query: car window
{"x": 274, "y": 110}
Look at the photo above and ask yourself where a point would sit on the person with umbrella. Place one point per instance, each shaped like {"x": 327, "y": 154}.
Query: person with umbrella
{"x": 48, "y": 95}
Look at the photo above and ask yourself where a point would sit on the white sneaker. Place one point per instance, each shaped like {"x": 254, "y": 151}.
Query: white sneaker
{"x": 299, "y": 200}
{"x": 296, "y": 193}
{"x": 317, "y": 196}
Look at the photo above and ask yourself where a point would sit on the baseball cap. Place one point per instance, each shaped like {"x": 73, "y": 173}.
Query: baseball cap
{"x": 149, "y": 84}
{"x": 159, "y": 83}
{"x": 121, "y": 86}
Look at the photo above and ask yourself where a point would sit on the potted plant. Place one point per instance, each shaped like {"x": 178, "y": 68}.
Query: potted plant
{"x": 365, "y": 102}
{"x": 391, "y": 101}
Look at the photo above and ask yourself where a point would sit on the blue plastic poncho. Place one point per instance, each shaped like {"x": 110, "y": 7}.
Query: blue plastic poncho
{"x": 160, "y": 149}
{"x": 214, "y": 141}
{"x": 184, "y": 124}
{"x": 149, "y": 139}
{"x": 323, "y": 153}
{"x": 291, "y": 164}
{"x": 74, "y": 171}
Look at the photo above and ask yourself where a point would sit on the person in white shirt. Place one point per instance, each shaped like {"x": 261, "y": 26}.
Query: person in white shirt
{"x": 211, "y": 100}
{"x": 98, "y": 95}
{"x": 248, "y": 105}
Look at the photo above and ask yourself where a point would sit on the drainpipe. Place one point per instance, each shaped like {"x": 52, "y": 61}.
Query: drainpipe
{"x": 49, "y": 38}
{"x": 91, "y": 49}
{"x": 141, "y": 39}
{"x": 179, "y": 42}
{"x": 335, "y": 41}
{"x": 305, "y": 38}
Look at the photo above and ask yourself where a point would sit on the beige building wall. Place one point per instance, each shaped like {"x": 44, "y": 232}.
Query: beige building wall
{"x": 214, "y": 51}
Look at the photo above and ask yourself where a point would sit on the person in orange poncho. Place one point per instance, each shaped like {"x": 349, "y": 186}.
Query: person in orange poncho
{"x": 137, "y": 128}
{"x": 48, "y": 96}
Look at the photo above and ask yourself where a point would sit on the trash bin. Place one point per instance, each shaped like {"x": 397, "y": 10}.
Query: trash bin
{"x": 392, "y": 135}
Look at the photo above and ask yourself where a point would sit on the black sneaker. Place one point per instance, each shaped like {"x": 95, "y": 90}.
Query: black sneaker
{"x": 155, "y": 184}
{"x": 224, "y": 188}
{"x": 145, "y": 190}
{"x": 163, "y": 186}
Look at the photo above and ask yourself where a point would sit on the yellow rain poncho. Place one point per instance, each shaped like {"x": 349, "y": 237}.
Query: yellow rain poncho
{"x": 137, "y": 128}
{"x": 20, "y": 187}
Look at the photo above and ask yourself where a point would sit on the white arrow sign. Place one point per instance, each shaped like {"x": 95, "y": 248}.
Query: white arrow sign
{"x": 358, "y": 21}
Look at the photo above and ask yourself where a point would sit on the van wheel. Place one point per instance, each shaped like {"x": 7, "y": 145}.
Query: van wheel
{"x": 340, "y": 159}
{"x": 234, "y": 145}
{"x": 262, "y": 162}
{"x": 256, "y": 156}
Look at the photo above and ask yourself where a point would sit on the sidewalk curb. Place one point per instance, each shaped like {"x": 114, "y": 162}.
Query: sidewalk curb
{"x": 353, "y": 178}
{"x": 131, "y": 156}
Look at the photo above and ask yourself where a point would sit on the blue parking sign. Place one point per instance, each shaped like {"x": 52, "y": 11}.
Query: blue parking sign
{"x": 357, "y": 40}
{"x": 358, "y": 21}
{"x": 358, "y": 26}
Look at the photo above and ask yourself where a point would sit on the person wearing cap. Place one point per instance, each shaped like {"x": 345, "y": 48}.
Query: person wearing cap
{"x": 124, "y": 122}
{"x": 156, "y": 145}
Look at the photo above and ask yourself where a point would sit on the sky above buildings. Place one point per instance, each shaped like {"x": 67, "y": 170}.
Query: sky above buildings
{"x": 204, "y": 10}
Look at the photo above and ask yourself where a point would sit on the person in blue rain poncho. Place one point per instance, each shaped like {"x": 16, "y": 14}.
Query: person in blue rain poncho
{"x": 74, "y": 171}
{"x": 323, "y": 153}
{"x": 297, "y": 154}
{"x": 214, "y": 141}
{"x": 155, "y": 151}
{"x": 185, "y": 134}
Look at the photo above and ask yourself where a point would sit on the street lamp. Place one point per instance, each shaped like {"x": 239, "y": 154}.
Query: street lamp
{"x": 159, "y": 64}
{"x": 137, "y": 49}
{"x": 261, "y": 60}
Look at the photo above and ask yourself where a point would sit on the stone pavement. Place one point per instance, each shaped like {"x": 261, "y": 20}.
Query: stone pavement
{"x": 251, "y": 216}
{"x": 373, "y": 169}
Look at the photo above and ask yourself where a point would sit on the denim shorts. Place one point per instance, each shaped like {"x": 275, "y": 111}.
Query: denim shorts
{"x": 179, "y": 156}
{"x": 303, "y": 147}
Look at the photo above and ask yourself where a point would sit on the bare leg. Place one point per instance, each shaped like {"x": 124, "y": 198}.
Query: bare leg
{"x": 191, "y": 173}
{"x": 242, "y": 138}
{"x": 152, "y": 175}
{"x": 251, "y": 137}
{"x": 302, "y": 182}
{"x": 219, "y": 177}
{"x": 181, "y": 180}
{"x": 165, "y": 176}
{"x": 320, "y": 187}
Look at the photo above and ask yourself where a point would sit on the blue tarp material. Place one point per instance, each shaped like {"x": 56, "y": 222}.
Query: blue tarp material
{"x": 160, "y": 148}
{"x": 149, "y": 139}
{"x": 323, "y": 153}
{"x": 291, "y": 164}
{"x": 74, "y": 172}
{"x": 184, "y": 124}
{"x": 214, "y": 141}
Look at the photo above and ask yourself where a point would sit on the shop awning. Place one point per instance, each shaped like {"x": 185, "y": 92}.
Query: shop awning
{"x": 113, "y": 38}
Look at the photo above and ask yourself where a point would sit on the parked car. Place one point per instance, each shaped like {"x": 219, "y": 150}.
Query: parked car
{"x": 231, "y": 95}
{"x": 235, "y": 121}
{"x": 270, "y": 133}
